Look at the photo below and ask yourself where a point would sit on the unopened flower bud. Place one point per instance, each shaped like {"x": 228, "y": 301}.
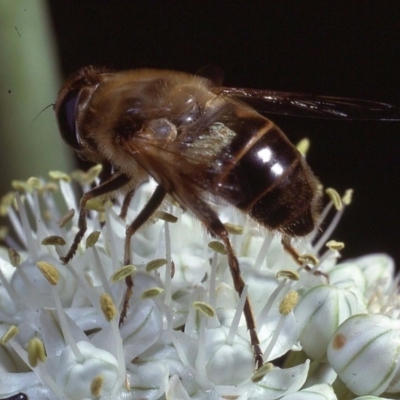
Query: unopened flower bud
{"x": 364, "y": 351}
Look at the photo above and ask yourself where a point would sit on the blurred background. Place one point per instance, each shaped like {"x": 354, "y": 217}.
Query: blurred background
{"x": 347, "y": 49}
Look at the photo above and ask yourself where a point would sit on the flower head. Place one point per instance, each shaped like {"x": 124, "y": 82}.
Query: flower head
{"x": 184, "y": 336}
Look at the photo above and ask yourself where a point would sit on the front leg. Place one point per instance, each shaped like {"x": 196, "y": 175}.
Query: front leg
{"x": 113, "y": 183}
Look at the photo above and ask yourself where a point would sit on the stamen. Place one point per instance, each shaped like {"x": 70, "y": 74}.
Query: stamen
{"x": 14, "y": 257}
{"x": 303, "y": 146}
{"x": 88, "y": 177}
{"x": 234, "y": 229}
{"x": 6, "y": 202}
{"x": 17, "y": 226}
{"x": 348, "y": 197}
{"x": 28, "y": 234}
{"x": 3, "y": 232}
{"x": 60, "y": 176}
{"x": 288, "y": 274}
{"x": 34, "y": 183}
{"x": 101, "y": 272}
{"x": 96, "y": 204}
{"x": 12, "y": 331}
{"x": 155, "y": 264}
{"x": 41, "y": 372}
{"x": 331, "y": 252}
{"x": 236, "y": 318}
{"x": 320, "y": 221}
{"x": 36, "y": 352}
{"x": 122, "y": 273}
{"x": 334, "y": 245}
{"x": 286, "y": 306}
{"x": 41, "y": 230}
{"x": 108, "y": 307}
{"x": 329, "y": 230}
{"x": 165, "y": 216}
{"x": 92, "y": 239}
{"x": 213, "y": 279}
{"x": 8, "y": 288}
{"x": 69, "y": 197}
{"x": 168, "y": 269}
{"x": 200, "y": 362}
{"x": 288, "y": 303}
{"x": 204, "y": 308}
{"x": 53, "y": 240}
{"x": 110, "y": 312}
{"x": 49, "y": 271}
{"x": 217, "y": 247}
{"x": 308, "y": 259}
{"x": 151, "y": 293}
{"x": 110, "y": 239}
{"x": 263, "y": 315}
{"x": 335, "y": 198}
{"x": 66, "y": 218}
{"x": 21, "y": 186}
{"x": 261, "y": 372}
{"x": 262, "y": 254}
{"x": 51, "y": 274}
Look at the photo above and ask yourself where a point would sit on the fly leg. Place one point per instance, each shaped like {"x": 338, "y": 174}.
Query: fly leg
{"x": 113, "y": 183}
{"x": 212, "y": 222}
{"x": 152, "y": 205}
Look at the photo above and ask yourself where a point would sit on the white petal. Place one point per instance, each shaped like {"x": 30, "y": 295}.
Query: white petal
{"x": 320, "y": 312}
{"x": 316, "y": 392}
{"x": 175, "y": 389}
{"x": 148, "y": 381}
{"x": 279, "y": 382}
{"x": 74, "y": 376}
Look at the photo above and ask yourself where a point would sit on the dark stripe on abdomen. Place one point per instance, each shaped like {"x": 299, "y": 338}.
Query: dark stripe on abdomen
{"x": 288, "y": 206}
{"x": 260, "y": 167}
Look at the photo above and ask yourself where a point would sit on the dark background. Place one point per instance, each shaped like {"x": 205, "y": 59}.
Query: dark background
{"x": 348, "y": 49}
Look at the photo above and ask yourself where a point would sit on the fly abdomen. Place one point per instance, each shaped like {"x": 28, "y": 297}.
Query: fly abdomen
{"x": 268, "y": 178}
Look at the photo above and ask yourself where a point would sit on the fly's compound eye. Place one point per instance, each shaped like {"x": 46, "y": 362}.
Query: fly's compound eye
{"x": 66, "y": 115}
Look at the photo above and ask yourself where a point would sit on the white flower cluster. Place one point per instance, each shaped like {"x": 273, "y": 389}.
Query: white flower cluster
{"x": 184, "y": 336}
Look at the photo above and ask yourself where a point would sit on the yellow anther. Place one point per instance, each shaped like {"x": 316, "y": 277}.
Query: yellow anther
{"x": 59, "y": 176}
{"x": 218, "y": 247}
{"x": 53, "y": 241}
{"x": 335, "y": 198}
{"x": 155, "y": 264}
{"x": 36, "y": 352}
{"x": 261, "y": 372}
{"x": 204, "y": 308}
{"x": 303, "y": 146}
{"x": 288, "y": 303}
{"x": 107, "y": 306}
{"x": 288, "y": 274}
{"x": 234, "y": 229}
{"x": 334, "y": 245}
{"x": 152, "y": 292}
{"x": 12, "y": 331}
{"x": 49, "y": 272}
{"x": 308, "y": 259}
{"x": 14, "y": 257}
{"x": 92, "y": 239}
{"x": 165, "y": 216}
{"x": 122, "y": 273}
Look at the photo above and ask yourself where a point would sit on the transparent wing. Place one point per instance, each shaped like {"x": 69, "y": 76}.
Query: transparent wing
{"x": 312, "y": 106}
